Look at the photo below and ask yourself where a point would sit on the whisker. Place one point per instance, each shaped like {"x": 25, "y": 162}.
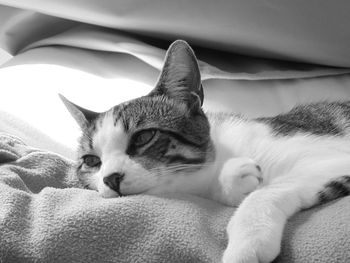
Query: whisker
{"x": 181, "y": 167}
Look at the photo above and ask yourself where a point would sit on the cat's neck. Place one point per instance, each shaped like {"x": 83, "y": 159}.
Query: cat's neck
{"x": 234, "y": 136}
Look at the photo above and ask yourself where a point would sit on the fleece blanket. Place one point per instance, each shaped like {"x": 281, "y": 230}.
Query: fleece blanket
{"x": 46, "y": 217}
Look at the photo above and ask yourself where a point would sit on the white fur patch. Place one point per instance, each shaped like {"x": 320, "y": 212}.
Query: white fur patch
{"x": 109, "y": 137}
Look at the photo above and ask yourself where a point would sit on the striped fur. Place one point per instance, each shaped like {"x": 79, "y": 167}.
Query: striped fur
{"x": 337, "y": 188}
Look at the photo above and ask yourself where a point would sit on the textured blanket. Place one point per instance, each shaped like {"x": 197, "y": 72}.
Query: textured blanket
{"x": 46, "y": 217}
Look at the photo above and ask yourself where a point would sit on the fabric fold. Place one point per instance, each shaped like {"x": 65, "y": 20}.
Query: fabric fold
{"x": 240, "y": 67}
{"x": 304, "y": 31}
{"x": 26, "y": 29}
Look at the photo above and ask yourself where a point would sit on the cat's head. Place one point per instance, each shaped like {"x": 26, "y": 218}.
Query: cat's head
{"x": 152, "y": 143}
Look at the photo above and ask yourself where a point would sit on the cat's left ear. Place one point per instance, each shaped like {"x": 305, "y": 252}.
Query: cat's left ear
{"x": 180, "y": 77}
{"x": 82, "y": 116}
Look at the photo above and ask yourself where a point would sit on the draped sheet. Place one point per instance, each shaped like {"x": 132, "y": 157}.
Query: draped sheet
{"x": 301, "y": 30}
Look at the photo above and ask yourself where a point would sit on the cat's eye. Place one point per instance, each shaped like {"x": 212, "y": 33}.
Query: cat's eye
{"x": 91, "y": 160}
{"x": 143, "y": 137}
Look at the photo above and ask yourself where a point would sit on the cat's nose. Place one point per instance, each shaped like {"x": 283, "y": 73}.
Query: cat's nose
{"x": 113, "y": 181}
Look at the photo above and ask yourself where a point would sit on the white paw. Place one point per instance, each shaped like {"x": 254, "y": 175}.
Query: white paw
{"x": 242, "y": 256}
{"x": 254, "y": 251}
{"x": 238, "y": 178}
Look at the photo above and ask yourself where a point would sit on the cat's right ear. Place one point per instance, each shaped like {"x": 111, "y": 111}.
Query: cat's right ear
{"x": 82, "y": 116}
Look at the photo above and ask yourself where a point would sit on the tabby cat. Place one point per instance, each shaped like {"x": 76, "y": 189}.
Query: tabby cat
{"x": 271, "y": 167}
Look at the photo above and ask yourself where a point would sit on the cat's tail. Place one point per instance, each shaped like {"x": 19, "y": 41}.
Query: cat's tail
{"x": 337, "y": 188}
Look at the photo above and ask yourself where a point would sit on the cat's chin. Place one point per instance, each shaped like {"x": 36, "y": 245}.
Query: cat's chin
{"x": 127, "y": 193}
{"x": 108, "y": 193}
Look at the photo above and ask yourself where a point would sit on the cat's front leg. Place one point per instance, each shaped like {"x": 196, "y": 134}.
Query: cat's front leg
{"x": 255, "y": 230}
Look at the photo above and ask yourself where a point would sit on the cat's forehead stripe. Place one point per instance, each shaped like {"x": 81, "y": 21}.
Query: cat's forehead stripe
{"x": 136, "y": 113}
{"x": 132, "y": 113}
{"x": 119, "y": 115}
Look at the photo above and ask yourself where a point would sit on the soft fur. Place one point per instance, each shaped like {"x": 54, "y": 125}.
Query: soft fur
{"x": 270, "y": 167}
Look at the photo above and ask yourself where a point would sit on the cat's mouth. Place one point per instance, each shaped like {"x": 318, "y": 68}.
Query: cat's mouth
{"x": 129, "y": 192}
{"x": 119, "y": 193}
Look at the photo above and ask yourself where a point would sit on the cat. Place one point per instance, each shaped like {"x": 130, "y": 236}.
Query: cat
{"x": 270, "y": 167}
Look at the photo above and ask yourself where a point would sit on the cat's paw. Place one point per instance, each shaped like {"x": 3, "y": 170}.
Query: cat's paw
{"x": 251, "y": 251}
{"x": 239, "y": 177}
{"x": 234, "y": 256}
